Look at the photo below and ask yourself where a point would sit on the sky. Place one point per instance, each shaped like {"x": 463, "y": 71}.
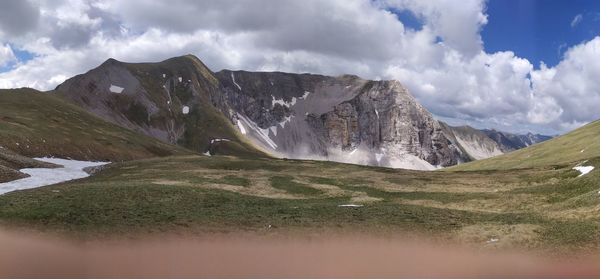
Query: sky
{"x": 512, "y": 65}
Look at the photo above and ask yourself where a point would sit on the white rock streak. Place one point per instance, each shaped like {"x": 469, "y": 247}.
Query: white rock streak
{"x": 233, "y": 79}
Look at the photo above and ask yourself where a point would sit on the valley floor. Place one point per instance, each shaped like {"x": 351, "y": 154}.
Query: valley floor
{"x": 543, "y": 208}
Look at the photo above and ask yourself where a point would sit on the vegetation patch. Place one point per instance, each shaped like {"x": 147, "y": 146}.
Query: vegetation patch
{"x": 288, "y": 184}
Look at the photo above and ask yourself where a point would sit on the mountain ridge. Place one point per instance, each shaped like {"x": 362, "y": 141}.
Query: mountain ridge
{"x": 300, "y": 116}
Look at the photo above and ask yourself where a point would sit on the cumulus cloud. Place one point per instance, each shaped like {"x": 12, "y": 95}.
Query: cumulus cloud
{"x": 18, "y": 17}
{"x": 571, "y": 90}
{"x": 6, "y": 55}
{"x": 443, "y": 63}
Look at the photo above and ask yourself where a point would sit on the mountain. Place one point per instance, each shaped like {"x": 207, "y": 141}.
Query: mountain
{"x": 572, "y": 148}
{"x": 38, "y": 124}
{"x": 510, "y": 142}
{"x": 475, "y": 144}
{"x": 301, "y": 116}
{"x": 345, "y": 119}
{"x": 177, "y": 101}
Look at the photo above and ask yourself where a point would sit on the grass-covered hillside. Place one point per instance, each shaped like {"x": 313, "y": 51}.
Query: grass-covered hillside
{"x": 570, "y": 149}
{"x": 519, "y": 208}
{"x": 37, "y": 124}
{"x": 176, "y": 101}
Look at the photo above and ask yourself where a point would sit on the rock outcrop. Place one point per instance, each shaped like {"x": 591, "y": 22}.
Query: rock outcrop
{"x": 342, "y": 118}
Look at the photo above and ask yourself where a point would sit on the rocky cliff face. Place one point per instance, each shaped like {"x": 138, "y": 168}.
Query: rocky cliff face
{"x": 342, "y": 118}
{"x": 303, "y": 116}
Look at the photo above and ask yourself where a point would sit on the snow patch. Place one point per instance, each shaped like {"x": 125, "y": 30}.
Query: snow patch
{"x": 185, "y": 110}
{"x": 378, "y": 157}
{"x": 584, "y": 170}
{"x": 164, "y": 75}
{"x": 305, "y": 95}
{"x": 218, "y": 140}
{"x": 39, "y": 177}
{"x": 207, "y": 153}
{"x": 233, "y": 79}
{"x": 377, "y": 113}
{"x": 274, "y": 130}
{"x": 285, "y": 121}
{"x": 180, "y": 79}
{"x": 116, "y": 89}
{"x": 350, "y": 205}
{"x": 282, "y": 102}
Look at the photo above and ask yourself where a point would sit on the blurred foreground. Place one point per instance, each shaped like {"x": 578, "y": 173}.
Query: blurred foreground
{"x": 244, "y": 256}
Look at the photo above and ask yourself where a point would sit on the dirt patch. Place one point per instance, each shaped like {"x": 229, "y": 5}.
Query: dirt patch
{"x": 170, "y": 182}
{"x": 258, "y": 188}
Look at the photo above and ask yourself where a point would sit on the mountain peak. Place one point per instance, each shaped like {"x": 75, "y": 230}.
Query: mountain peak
{"x": 111, "y": 61}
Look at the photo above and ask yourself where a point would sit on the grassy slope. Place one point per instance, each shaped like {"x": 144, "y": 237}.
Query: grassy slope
{"x": 37, "y": 124}
{"x": 204, "y": 122}
{"x": 205, "y": 194}
{"x": 569, "y": 149}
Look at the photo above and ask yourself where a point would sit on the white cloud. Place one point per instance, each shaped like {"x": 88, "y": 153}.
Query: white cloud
{"x": 454, "y": 78}
{"x": 571, "y": 90}
{"x": 576, "y": 20}
{"x": 457, "y": 24}
{"x": 6, "y": 55}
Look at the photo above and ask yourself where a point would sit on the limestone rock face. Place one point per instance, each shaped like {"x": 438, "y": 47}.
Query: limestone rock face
{"x": 342, "y": 118}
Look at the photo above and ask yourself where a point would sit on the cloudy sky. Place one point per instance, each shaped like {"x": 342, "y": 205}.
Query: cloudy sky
{"x": 516, "y": 65}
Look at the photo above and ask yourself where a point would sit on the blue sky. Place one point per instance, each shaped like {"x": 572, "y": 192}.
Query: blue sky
{"x": 540, "y": 30}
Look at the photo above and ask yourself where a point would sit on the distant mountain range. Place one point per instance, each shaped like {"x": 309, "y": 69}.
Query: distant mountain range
{"x": 510, "y": 142}
{"x": 303, "y": 116}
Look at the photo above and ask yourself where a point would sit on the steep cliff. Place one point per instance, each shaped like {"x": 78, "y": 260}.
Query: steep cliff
{"x": 344, "y": 118}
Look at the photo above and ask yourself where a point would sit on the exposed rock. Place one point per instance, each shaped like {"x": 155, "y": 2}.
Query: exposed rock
{"x": 510, "y": 142}
{"x": 475, "y": 144}
{"x": 345, "y": 118}
{"x": 311, "y": 116}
